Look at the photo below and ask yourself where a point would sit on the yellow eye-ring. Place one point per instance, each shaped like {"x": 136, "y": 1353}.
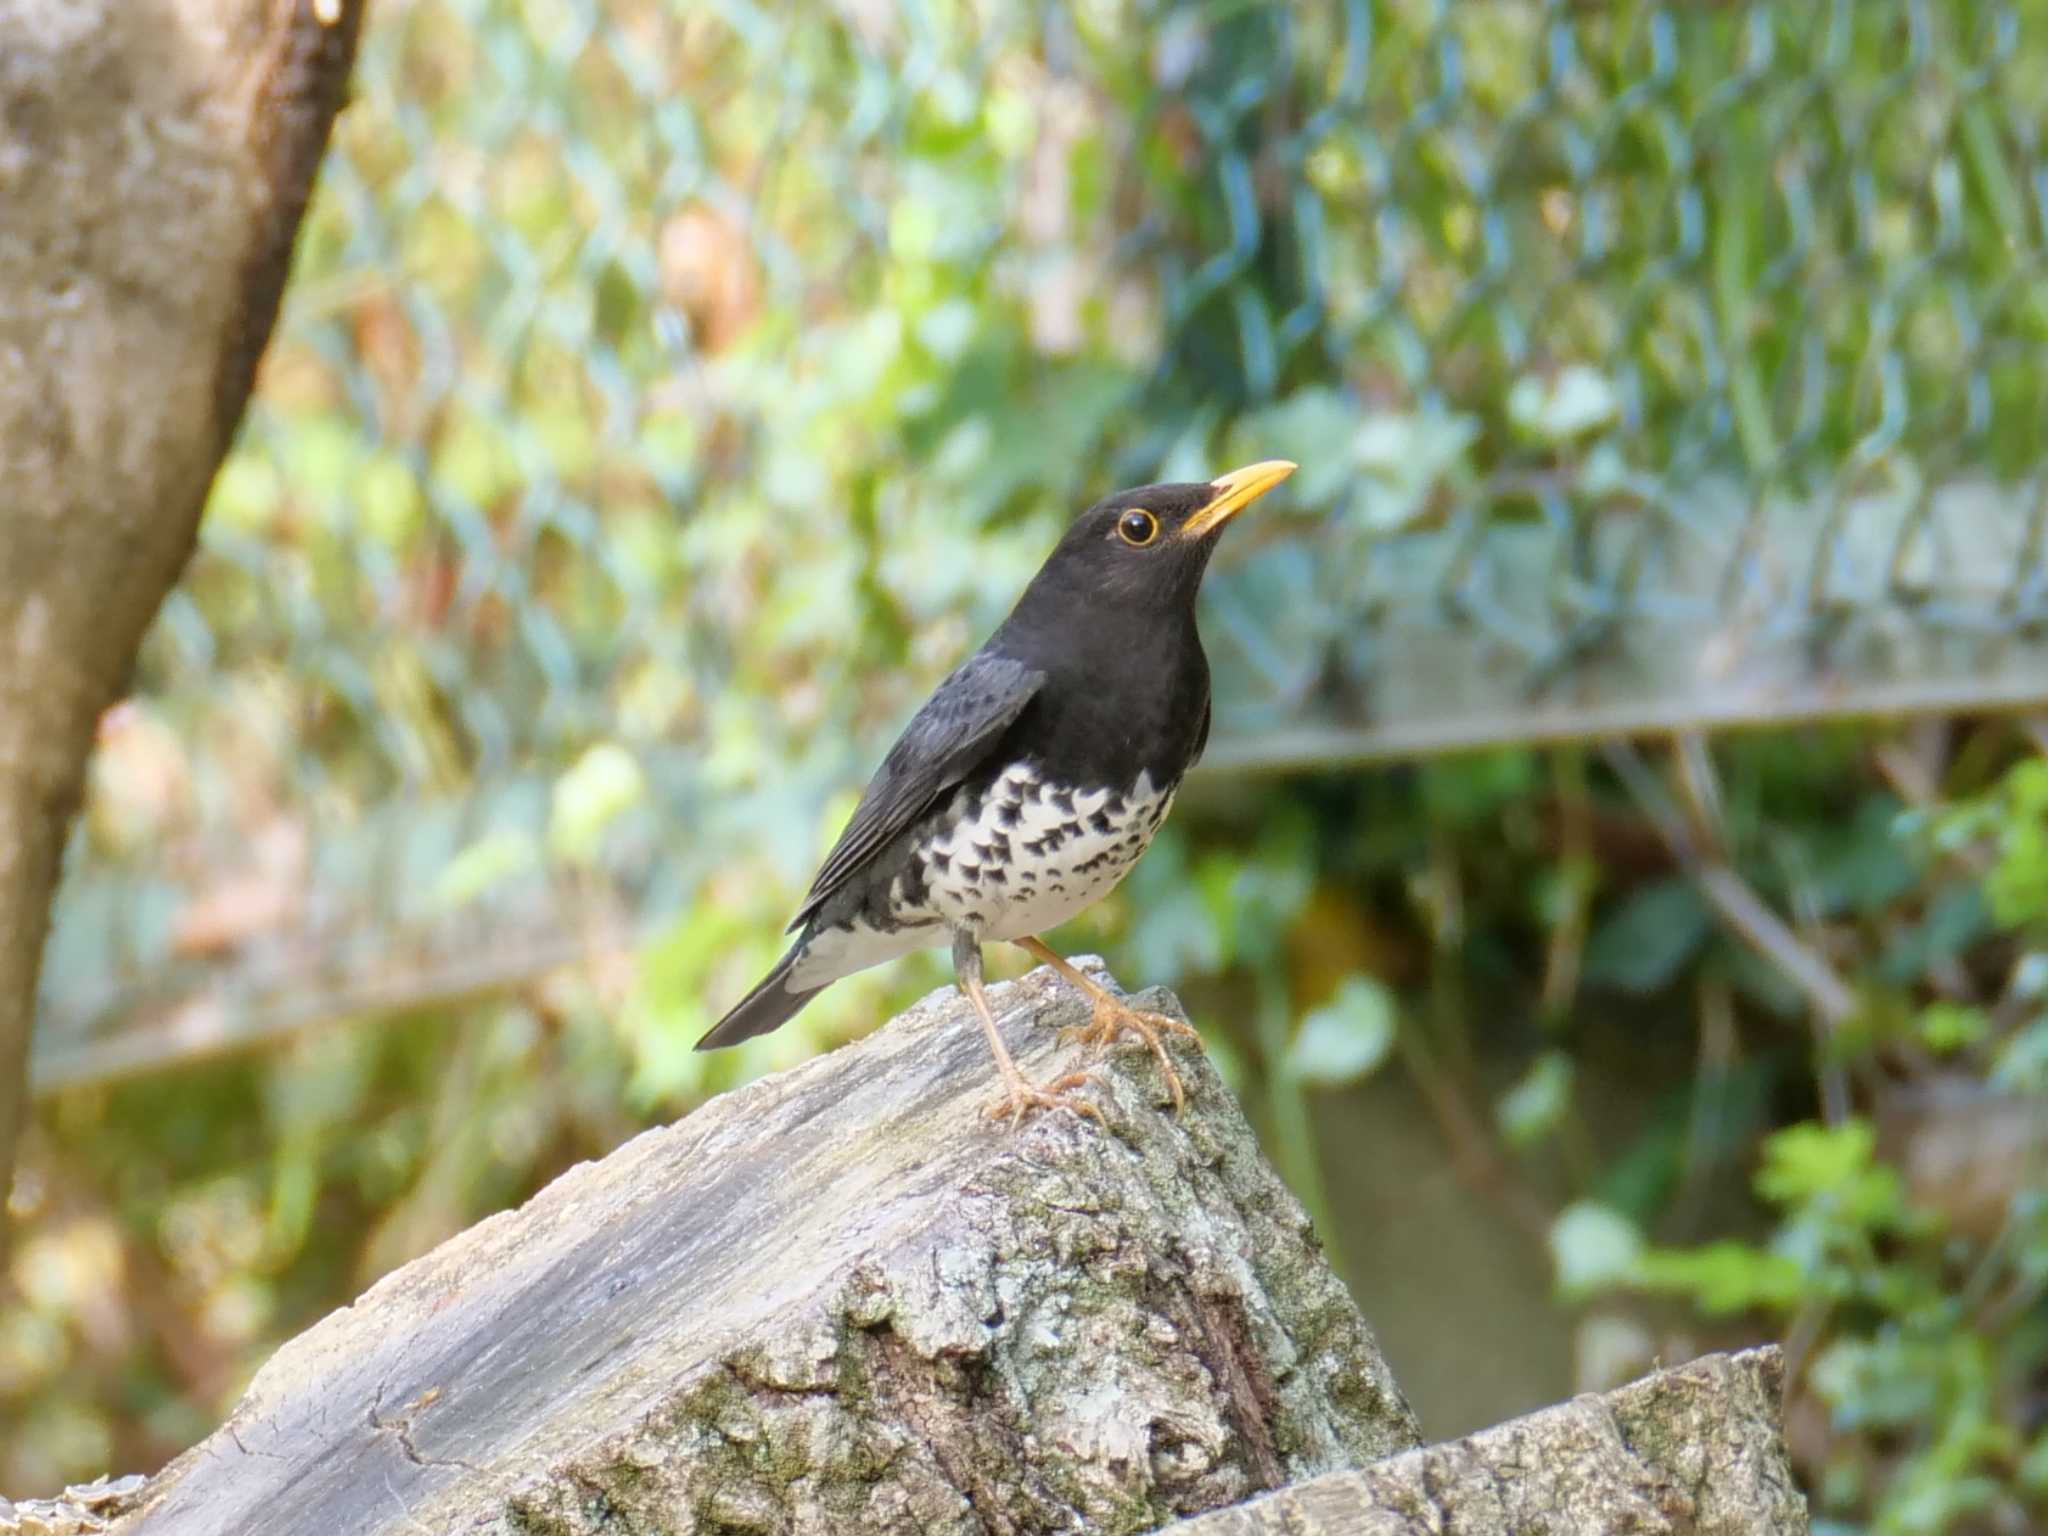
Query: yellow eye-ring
{"x": 1137, "y": 527}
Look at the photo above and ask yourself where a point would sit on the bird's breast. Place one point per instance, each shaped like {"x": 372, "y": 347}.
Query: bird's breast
{"x": 1024, "y": 852}
{"x": 1103, "y": 723}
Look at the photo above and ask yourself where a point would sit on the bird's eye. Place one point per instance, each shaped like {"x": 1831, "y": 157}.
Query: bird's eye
{"x": 1137, "y": 528}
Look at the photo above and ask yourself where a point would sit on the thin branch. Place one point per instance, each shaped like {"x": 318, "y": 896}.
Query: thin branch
{"x": 1745, "y": 913}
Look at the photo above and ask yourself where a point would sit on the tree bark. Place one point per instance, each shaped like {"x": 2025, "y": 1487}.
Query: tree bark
{"x": 840, "y": 1299}
{"x": 155, "y": 158}
{"x": 1694, "y": 1451}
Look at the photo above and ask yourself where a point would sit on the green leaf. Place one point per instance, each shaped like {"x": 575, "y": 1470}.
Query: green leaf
{"x": 1806, "y": 1160}
{"x": 1474, "y": 790}
{"x": 1724, "y": 1277}
{"x": 1346, "y": 1038}
{"x": 1863, "y": 867}
{"x": 1397, "y": 461}
{"x": 1642, "y": 945}
{"x": 668, "y": 1008}
{"x": 1593, "y": 1248}
{"x": 1953, "y": 920}
{"x": 247, "y": 494}
{"x": 1535, "y": 1106}
{"x": 481, "y": 867}
{"x": 1638, "y": 1181}
{"x": 2017, "y": 886}
{"x": 603, "y": 782}
{"x": 393, "y": 510}
{"x": 1264, "y": 892}
{"x": 473, "y": 460}
{"x": 1832, "y": 1170}
{"x": 1947, "y": 1027}
{"x": 1762, "y": 983}
{"x": 1553, "y": 410}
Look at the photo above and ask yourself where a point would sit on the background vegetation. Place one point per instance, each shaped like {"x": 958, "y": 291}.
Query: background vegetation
{"x": 668, "y": 396}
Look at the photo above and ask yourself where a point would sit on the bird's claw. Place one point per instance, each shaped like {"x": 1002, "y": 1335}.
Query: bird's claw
{"x": 1022, "y": 1096}
{"x": 1112, "y": 1018}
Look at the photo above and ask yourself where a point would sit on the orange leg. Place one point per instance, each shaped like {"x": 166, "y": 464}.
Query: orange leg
{"x": 1021, "y": 1095}
{"x": 1113, "y": 1016}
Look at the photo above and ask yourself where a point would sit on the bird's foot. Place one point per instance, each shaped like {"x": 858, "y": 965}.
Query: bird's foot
{"x": 1021, "y": 1096}
{"x": 1113, "y": 1017}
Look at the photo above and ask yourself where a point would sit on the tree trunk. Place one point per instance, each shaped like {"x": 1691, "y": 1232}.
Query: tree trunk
{"x": 155, "y": 157}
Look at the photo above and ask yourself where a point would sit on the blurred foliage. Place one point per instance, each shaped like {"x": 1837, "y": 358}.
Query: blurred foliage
{"x": 669, "y": 396}
{"x": 1910, "y": 1254}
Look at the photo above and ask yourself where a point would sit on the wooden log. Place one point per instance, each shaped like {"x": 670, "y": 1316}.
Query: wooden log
{"x": 843, "y": 1300}
{"x": 839, "y": 1299}
{"x": 1693, "y": 1451}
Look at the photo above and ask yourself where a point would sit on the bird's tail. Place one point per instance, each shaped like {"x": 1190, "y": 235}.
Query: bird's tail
{"x": 772, "y": 1003}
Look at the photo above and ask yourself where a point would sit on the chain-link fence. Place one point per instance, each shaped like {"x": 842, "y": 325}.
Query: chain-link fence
{"x": 668, "y": 394}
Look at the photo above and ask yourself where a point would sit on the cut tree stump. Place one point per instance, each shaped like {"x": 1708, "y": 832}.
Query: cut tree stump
{"x": 843, "y": 1300}
{"x": 838, "y": 1300}
{"x": 1692, "y": 1451}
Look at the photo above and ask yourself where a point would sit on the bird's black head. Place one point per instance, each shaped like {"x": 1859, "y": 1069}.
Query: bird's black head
{"x": 1109, "y": 620}
{"x": 1149, "y": 546}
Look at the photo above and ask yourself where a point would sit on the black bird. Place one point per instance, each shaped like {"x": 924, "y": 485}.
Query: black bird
{"x": 1033, "y": 778}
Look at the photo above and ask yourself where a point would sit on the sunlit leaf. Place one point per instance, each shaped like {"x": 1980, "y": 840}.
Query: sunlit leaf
{"x": 499, "y": 855}
{"x": 247, "y": 492}
{"x": 1593, "y": 1248}
{"x": 604, "y": 782}
{"x": 1538, "y": 1102}
{"x": 1807, "y": 1160}
{"x": 1569, "y": 404}
{"x": 1723, "y": 1277}
{"x": 1346, "y": 1038}
{"x": 1946, "y": 1027}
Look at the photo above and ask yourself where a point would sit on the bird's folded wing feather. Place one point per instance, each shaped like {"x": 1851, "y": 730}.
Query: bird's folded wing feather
{"x": 944, "y": 742}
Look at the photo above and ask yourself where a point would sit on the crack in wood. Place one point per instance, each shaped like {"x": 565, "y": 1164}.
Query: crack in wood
{"x": 400, "y": 1429}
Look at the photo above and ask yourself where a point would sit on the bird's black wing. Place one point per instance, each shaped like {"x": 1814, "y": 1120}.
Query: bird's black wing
{"x": 943, "y": 743}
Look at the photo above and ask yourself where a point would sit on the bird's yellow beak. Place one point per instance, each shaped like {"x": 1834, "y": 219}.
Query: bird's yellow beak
{"x": 1236, "y": 491}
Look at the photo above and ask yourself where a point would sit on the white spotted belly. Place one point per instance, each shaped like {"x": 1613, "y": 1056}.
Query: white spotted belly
{"x": 1033, "y": 855}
